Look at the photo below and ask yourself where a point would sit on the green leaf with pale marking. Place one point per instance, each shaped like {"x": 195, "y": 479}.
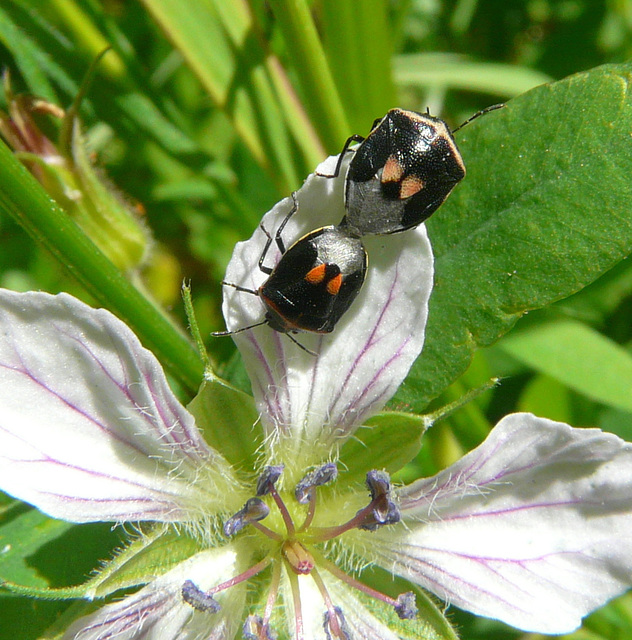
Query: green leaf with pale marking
{"x": 578, "y": 356}
{"x": 388, "y": 441}
{"x": 21, "y": 538}
{"x": 227, "y": 417}
{"x": 543, "y": 212}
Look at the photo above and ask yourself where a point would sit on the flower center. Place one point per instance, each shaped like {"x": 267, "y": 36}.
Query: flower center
{"x": 298, "y": 552}
{"x": 298, "y": 558}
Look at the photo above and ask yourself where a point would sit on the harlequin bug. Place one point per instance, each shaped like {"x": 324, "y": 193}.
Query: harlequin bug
{"x": 400, "y": 173}
{"x": 314, "y": 282}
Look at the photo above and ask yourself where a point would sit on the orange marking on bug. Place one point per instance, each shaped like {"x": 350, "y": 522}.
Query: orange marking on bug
{"x": 410, "y": 186}
{"x": 333, "y": 286}
{"x": 393, "y": 170}
{"x": 316, "y": 275}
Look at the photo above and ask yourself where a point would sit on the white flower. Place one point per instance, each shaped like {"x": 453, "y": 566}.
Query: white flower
{"x": 532, "y": 527}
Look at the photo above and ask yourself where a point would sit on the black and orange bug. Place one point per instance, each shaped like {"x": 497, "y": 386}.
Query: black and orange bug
{"x": 314, "y": 282}
{"x": 400, "y": 173}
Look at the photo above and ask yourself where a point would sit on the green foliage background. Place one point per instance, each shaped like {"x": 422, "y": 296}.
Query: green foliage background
{"x": 206, "y": 112}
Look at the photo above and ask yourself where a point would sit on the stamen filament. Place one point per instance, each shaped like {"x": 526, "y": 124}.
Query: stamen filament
{"x": 287, "y": 518}
{"x": 246, "y": 575}
{"x": 311, "y": 510}
{"x": 267, "y": 532}
{"x": 321, "y": 534}
{"x": 333, "y": 618}
{"x": 275, "y": 581}
{"x": 296, "y": 599}
{"x": 356, "y": 584}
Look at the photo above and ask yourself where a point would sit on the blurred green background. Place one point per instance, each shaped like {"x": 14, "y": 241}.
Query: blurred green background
{"x": 207, "y": 112}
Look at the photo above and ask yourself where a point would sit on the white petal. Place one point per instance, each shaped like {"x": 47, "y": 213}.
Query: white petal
{"x": 534, "y": 527}
{"x": 89, "y": 429}
{"x": 158, "y": 612}
{"x": 363, "y": 361}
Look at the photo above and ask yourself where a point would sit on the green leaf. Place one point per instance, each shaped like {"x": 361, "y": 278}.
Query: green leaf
{"x": 35, "y": 549}
{"x": 43, "y": 55}
{"x": 217, "y": 42}
{"x": 579, "y": 357}
{"x": 598, "y": 301}
{"x": 28, "y": 56}
{"x": 228, "y": 418}
{"x": 546, "y": 396}
{"x": 544, "y": 211}
{"x": 22, "y": 537}
{"x": 306, "y": 50}
{"x": 388, "y": 441}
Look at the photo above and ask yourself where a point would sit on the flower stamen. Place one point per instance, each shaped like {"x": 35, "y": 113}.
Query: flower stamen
{"x": 266, "y": 485}
{"x": 380, "y": 511}
{"x": 254, "y": 510}
{"x": 199, "y": 600}
{"x": 405, "y": 604}
{"x": 204, "y": 601}
{"x": 334, "y": 622}
{"x": 335, "y": 625}
{"x": 275, "y": 581}
{"x": 305, "y": 490}
{"x": 256, "y": 629}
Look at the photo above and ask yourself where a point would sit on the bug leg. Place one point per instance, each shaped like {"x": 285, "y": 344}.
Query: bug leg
{"x": 240, "y": 288}
{"x": 267, "y": 270}
{"x": 277, "y": 236}
{"x": 350, "y": 140}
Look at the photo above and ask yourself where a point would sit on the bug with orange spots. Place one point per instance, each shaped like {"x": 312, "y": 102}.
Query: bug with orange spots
{"x": 399, "y": 174}
{"x": 314, "y": 282}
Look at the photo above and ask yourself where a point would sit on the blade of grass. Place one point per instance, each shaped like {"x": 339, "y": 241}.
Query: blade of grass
{"x": 27, "y": 56}
{"x": 458, "y": 72}
{"x": 64, "y": 53}
{"x": 230, "y": 77}
{"x": 313, "y": 73}
{"x": 359, "y": 50}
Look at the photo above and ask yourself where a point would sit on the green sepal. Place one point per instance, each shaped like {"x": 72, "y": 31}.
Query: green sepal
{"x": 228, "y": 419}
{"x": 103, "y": 215}
{"x": 388, "y": 441}
{"x": 145, "y": 559}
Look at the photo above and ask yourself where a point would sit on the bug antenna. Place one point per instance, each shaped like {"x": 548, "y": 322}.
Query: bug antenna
{"x": 482, "y": 112}
{"x": 221, "y": 334}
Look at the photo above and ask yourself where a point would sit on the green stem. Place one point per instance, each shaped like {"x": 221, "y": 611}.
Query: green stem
{"x": 317, "y": 83}
{"x": 22, "y": 197}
